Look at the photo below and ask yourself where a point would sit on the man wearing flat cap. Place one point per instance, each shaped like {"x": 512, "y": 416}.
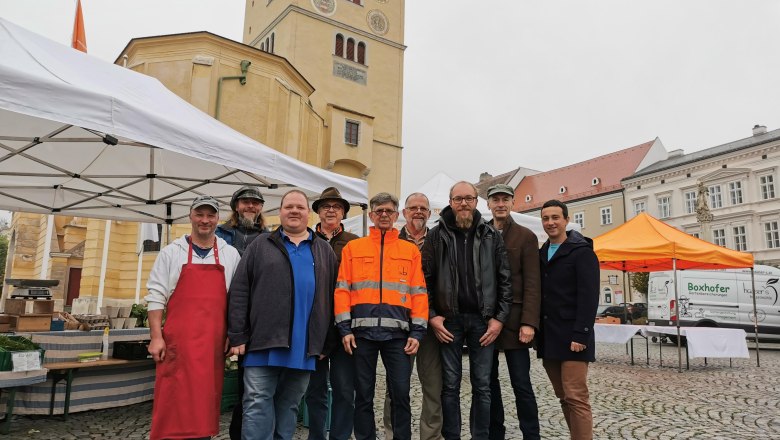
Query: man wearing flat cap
{"x": 189, "y": 281}
{"x": 518, "y": 332}
{"x": 336, "y": 363}
{"x": 246, "y": 221}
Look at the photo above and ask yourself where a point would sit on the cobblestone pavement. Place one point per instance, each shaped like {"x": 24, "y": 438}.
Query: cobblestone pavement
{"x": 629, "y": 402}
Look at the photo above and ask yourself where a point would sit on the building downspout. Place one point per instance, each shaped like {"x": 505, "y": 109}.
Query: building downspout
{"x": 241, "y": 78}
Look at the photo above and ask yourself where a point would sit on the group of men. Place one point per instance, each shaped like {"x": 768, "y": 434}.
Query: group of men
{"x": 312, "y": 308}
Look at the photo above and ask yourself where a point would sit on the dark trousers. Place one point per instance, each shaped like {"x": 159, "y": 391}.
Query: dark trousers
{"x": 238, "y": 410}
{"x": 519, "y": 365}
{"x": 466, "y": 328}
{"x": 398, "y": 368}
{"x": 340, "y": 368}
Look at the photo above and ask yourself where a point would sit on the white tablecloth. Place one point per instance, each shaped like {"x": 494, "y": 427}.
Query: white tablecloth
{"x": 707, "y": 341}
{"x": 615, "y": 333}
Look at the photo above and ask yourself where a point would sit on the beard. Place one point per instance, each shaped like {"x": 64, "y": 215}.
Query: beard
{"x": 418, "y": 224}
{"x": 464, "y": 222}
{"x": 247, "y": 223}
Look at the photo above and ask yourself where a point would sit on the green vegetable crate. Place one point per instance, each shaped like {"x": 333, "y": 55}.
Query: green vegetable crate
{"x": 9, "y": 344}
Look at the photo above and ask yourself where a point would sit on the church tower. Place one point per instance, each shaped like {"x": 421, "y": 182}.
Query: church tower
{"x": 351, "y": 51}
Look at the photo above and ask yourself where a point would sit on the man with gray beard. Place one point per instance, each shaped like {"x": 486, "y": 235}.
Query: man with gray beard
{"x": 246, "y": 222}
{"x": 244, "y": 225}
{"x": 469, "y": 285}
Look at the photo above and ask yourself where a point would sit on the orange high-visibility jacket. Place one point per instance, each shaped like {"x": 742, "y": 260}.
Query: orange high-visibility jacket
{"x": 380, "y": 291}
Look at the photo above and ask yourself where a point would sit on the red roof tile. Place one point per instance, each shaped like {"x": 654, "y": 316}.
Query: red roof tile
{"x": 578, "y": 178}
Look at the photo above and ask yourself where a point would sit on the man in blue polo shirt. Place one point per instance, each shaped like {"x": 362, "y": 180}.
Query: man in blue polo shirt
{"x": 279, "y": 310}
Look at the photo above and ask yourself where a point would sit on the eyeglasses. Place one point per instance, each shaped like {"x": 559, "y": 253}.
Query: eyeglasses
{"x": 335, "y": 207}
{"x": 383, "y": 212}
{"x": 467, "y": 199}
{"x": 422, "y": 209}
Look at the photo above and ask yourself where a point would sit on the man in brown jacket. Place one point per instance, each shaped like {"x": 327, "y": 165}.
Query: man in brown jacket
{"x": 336, "y": 364}
{"x": 522, "y": 246}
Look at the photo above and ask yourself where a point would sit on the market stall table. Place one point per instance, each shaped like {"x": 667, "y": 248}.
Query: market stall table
{"x": 11, "y": 380}
{"x": 704, "y": 342}
{"x": 619, "y": 334}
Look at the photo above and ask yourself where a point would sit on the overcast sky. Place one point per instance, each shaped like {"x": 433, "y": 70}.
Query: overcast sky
{"x": 492, "y": 85}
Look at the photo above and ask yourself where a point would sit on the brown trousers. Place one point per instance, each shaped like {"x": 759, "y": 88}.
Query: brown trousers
{"x": 429, "y": 372}
{"x": 569, "y": 380}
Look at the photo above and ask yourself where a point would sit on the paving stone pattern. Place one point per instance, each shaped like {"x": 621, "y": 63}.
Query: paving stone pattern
{"x": 629, "y": 402}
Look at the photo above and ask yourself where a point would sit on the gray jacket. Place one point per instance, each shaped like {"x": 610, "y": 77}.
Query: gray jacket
{"x": 260, "y": 300}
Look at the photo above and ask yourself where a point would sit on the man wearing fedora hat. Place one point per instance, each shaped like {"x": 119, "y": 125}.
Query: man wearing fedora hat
{"x": 246, "y": 221}
{"x": 336, "y": 364}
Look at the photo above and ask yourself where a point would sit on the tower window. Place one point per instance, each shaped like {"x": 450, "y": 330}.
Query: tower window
{"x": 361, "y": 55}
{"x": 351, "y": 132}
{"x": 267, "y": 44}
{"x": 272, "y": 43}
{"x": 351, "y": 49}
{"x": 339, "y": 52}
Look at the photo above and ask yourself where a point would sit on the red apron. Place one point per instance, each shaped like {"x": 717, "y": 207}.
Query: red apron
{"x": 188, "y": 387}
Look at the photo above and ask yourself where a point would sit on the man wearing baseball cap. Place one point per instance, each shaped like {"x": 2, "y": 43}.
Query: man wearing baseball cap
{"x": 189, "y": 281}
{"x": 246, "y": 221}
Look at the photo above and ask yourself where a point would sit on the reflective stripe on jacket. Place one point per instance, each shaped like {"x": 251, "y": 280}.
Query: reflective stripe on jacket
{"x": 380, "y": 292}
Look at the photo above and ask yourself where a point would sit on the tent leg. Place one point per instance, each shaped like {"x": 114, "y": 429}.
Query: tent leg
{"x": 677, "y": 314}
{"x": 755, "y": 315}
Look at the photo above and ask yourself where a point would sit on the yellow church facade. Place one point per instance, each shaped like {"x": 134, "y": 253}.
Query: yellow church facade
{"x": 318, "y": 80}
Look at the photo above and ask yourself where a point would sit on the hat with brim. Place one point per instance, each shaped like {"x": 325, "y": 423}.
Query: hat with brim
{"x": 500, "y": 189}
{"x": 330, "y": 194}
{"x": 205, "y": 201}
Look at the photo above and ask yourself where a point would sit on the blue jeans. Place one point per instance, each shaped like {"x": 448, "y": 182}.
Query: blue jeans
{"x": 466, "y": 328}
{"x": 519, "y": 365}
{"x": 398, "y": 367}
{"x": 342, "y": 412}
{"x": 271, "y": 398}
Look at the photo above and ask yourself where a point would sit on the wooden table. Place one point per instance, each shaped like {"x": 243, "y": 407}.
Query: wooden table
{"x": 66, "y": 370}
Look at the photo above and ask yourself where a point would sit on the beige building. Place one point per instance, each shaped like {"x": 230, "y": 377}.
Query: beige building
{"x": 319, "y": 80}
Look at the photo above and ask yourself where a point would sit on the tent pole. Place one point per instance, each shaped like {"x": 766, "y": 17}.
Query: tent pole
{"x": 47, "y": 248}
{"x": 365, "y": 219}
{"x": 103, "y": 264}
{"x": 677, "y": 315}
{"x": 755, "y": 315}
{"x": 140, "y": 247}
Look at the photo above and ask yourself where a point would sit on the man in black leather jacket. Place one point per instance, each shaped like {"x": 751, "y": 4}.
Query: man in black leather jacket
{"x": 470, "y": 292}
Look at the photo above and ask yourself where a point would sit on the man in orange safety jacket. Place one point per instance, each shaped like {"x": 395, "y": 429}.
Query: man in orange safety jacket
{"x": 381, "y": 306}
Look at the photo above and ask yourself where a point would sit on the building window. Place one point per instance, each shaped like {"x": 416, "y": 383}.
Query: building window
{"x": 350, "y": 49}
{"x": 772, "y": 235}
{"x": 262, "y": 47}
{"x": 579, "y": 218}
{"x": 716, "y": 198}
{"x": 639, "y": 207}
{"x": 664, "y": 207}
{"x": 695, "y": 235}
{"x": 606, "y": 215}
{"x": 690, "y": 202}
{"x": 272, "y": 43}
{"x": 767, "y": 187}
{"x": 357, "y": 2}
{"x": 740, "y": 238}
{"x": 361, "y": 56}
{"x": 151, "y": 245}
{"x": 735, "y": 193}
{"x": 267, "y": 44}
{"x": 339, "y": 51}
{"x": 719, "y": 237}
{"x": 351, "y": 132}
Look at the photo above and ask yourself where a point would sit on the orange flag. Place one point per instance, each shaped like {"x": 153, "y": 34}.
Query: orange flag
{"x": 79, "y": 35}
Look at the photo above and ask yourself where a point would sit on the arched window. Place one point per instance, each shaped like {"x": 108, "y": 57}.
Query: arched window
{"x": 262, "y": 47}
{"x": 339, "y": 52}
{"x": 361, "y": 55}
{"x": 351, "y": 49}
{"x": 272, "y": 42}
{"x": 267, "y": 44}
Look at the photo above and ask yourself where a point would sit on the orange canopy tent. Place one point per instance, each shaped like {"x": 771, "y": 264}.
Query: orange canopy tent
{"x": 646, "y": 244}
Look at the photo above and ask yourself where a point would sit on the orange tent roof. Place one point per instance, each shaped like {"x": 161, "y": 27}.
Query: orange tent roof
{"x": 645, "y": 244}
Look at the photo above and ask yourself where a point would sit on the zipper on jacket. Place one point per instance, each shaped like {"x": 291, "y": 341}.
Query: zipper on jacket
{"x": 381, "y": 274}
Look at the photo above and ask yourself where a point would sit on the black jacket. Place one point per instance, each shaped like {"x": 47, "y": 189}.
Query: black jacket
{"x": 492, "y": 273}
{"x": 570, "y": 297}
{"x": 260, "y": 298}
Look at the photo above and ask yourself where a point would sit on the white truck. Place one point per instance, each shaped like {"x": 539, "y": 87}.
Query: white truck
{"x": 717, "y": 298}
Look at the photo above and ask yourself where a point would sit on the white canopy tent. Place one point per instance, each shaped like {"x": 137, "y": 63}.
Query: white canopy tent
{"x": 83, "y": 137}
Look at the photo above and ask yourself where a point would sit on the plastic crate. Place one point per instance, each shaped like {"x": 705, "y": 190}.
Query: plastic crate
{"x": 5, "y": 355}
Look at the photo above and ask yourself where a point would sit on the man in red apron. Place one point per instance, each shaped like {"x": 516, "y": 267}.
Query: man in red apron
{"x": 189, "y": 283}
